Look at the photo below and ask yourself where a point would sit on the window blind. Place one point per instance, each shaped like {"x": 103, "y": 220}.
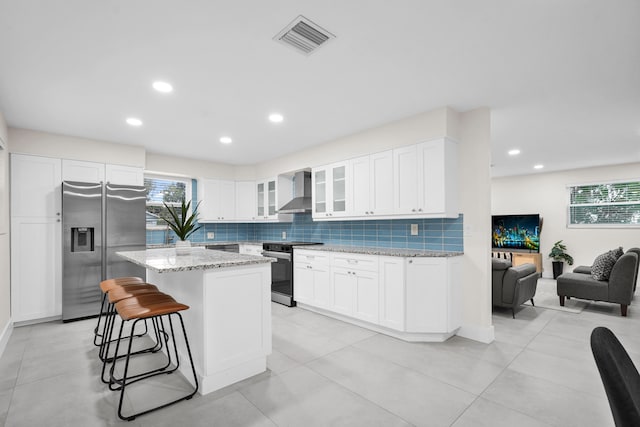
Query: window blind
{"x": 605, "y": 204}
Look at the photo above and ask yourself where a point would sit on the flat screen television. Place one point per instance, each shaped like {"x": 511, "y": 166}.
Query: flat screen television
{"x": 520, "y": 232}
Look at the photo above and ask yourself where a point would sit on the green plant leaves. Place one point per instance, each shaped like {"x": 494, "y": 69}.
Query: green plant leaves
{"x": 183, "y": 224}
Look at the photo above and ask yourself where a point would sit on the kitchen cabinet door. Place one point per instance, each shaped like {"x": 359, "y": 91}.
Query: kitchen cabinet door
{"x": 303, "y": 279}
{"x": 360, "y": 186}
{"x": 267, "y": 200}
{"x": 437, "y": 186}
{"x": 331, "y": 191}
{"x": 342, "y": 291}
{"x": 245, "y": 201}
{"x": 36, "y": 268}
{"x": 366, "y": 296}
{"x": 405, "y": 170}
{"x": 427, "y": 295}
{"x": 35, "y": 186}
{"x": 217, "y": 200}
{"x": 321, "y": 285}
{"x": 381, "y": 189}
{"x": 75, "y": 170}
{"x": 392, "y": 291}
{"x": 124, "y": 175}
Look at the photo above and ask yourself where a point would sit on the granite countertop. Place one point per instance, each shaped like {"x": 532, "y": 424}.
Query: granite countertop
{"x": 379, "y": 251}
{"x": 203, "y": 244}
{"x": 165, "y": 260}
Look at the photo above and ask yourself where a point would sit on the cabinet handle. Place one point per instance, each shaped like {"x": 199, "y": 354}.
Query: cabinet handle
{"x": 410, "y": 261}
{"x": 413, "y": 210}
{"x": 420, "y": 210}
{"x": 58, "y": 220}
{"x": 58, "y": 213}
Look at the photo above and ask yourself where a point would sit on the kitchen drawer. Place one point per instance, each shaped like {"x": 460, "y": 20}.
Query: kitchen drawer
{"x": 355, "y": 261}
{"x": 315, "y": 257}
{"x": 250, "y": 249}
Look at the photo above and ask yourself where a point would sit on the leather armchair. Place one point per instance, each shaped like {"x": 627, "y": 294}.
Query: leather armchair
{"x": 512, "y": 286}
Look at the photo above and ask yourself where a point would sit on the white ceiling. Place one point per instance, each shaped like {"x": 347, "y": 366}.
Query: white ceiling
{"x": 562, "y": 78}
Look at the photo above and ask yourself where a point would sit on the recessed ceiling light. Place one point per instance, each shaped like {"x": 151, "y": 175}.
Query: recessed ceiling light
{"x": 134, "y": 121}
{"x": 163, "y": 87}
{"x": 275, "y": 118}
{"x": 226, "y": 140}
{"x": 538, "y": 166}
{"x": 514, "y": 152}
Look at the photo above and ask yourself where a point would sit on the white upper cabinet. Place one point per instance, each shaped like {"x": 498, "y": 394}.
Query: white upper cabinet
{"x": 372, "y": 185}
{"x": 425, "y": 179}
{"x": 124, "y": 175}
{"x": 331, "y": 185}
{"x": 217, "y": 200}
{"x": 246, "y": 201}
{"x": 35, "y": 186}
{"x": 76, "y": 170}
{"x": 267, "y": 199}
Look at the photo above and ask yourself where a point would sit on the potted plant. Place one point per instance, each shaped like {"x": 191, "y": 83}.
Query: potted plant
{"x": 559, "y": 255}
{"x": 183, "y": 224}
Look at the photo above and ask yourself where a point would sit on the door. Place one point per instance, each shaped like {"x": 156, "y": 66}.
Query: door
{"x": 381, "y": 178}
{"x": 125, "y": 228}
{"x": 405, "y": 170}
{"x": 124, "y": 175}
{"x": 366, "y": 296}
{"x": 260, "y": 198}
{"x": 35, "y": 186}
{"x": 35, "y": 268}
{"x": 319, "y": 194}
{"x": 342, "y": 282}
{"x": 245, "y": 201}
{"x": 304, "y": 283}
{"x": 75, "y": 170}
{"x": 360, "y": 186}
{"x": 339, "y": 185}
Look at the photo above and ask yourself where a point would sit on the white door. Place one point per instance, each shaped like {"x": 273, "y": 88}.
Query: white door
{"x": 427, "y": 302}
{"x": 342, "y": 283}
{"x": 321, "y": 285}
{"x": 319, "y": 196}
{"x": 75, "y": 170}
{"x": 36, "y": 266}
{"x": 339, "y": 189}
{"x": 382, "y": 188}
{"x": 245, "y": 200}
{"x": 124, "y": 175}
{"x": 227, "y": 200}
{"x": 432, "y": 180}
{"x": 366, "y": 296}
{"x": 303, "y": 278}
{"x": 392, "y": 305}
{"x": 360, "y": 187}
{"x": 35, "y": 186}
{"x": 405, "y": 170}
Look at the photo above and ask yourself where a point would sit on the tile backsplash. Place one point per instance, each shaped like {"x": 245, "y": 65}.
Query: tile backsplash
{"x": 433, "y": 234}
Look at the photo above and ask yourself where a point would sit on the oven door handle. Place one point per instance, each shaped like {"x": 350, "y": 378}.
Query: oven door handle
{"x": 279, "y": 255}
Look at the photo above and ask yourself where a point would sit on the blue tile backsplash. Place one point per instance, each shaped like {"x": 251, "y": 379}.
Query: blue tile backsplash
{"x": 433, "y": 234}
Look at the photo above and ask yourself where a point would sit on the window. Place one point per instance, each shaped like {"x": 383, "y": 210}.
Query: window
{"x": 164, "y": 189}
{"x": 611, "y": 204}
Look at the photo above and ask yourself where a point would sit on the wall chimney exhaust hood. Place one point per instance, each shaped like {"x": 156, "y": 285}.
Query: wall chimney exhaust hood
{"x": 301, "y": 202}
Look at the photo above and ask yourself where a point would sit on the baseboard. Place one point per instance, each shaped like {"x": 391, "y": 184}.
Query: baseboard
{"x": 485, "y": 335}
{"x": 5, "y": 335}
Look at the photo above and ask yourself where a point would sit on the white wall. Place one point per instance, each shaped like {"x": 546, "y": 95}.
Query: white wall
{"x": 473, "y": 131}
{"x": 5, "y": 261}
{"x": 411, "y": 130}
{"x": 25, "y": 141}
{"x": 546, "y": 194}
{"x": 188, "y": 167}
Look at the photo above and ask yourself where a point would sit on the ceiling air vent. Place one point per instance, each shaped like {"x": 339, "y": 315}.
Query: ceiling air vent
{"x": 303, "y": 35}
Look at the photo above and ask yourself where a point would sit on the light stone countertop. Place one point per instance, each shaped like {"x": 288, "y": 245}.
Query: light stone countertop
{"x": 166, "y": 260}
{"x": 379, "y": 251}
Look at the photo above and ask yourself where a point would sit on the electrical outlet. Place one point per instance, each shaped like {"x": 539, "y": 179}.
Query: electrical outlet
{"x": 211, "y": 235}
{"x": 414, "y": 229}
{"x": 284, "y": 235}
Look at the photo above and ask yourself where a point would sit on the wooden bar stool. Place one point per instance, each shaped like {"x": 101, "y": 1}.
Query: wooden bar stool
{"x": 140, "y": 308}
{"x": 106, "y": 286}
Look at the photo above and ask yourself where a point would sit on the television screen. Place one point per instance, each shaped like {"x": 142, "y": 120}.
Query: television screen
{"x": 516, "y": 232}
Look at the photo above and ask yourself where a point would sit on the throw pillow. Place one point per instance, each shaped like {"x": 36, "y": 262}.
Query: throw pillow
{"x": 617, "y": 253}
{"x": 602, "y": 266}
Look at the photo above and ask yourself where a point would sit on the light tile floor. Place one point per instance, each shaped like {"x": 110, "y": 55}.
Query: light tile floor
{"x": 538, "y": 372}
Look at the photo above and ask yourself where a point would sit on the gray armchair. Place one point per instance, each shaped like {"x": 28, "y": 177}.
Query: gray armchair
{"x": 618, "y": 289}
{"x": 512, "y": 286}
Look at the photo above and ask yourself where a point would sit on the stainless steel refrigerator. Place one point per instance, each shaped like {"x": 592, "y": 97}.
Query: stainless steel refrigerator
{"x": 98, "y": 220}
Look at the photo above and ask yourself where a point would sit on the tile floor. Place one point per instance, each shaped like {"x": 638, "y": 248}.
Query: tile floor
{"x": 538, "y": 372}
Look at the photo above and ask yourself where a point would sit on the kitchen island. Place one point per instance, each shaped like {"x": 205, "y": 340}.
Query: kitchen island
{"x": 229, "y": 319}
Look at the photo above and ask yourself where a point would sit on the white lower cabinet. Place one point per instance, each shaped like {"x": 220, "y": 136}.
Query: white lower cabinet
{"x": 415, "y": 299}
{"x": 311, "y": 278}
{"x": 250, "y": 249}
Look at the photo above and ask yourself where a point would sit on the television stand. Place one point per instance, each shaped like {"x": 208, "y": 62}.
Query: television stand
{"x": 518, "y": 258}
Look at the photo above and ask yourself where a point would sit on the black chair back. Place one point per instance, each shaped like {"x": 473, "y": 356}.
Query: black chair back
{"x": 619, "y": 376}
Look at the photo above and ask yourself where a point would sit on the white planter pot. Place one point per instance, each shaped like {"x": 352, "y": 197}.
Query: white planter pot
{"x": 183, "y": 247}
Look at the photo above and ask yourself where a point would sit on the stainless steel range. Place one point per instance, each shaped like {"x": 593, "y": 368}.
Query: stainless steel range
{"x": 282, "y": 270}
